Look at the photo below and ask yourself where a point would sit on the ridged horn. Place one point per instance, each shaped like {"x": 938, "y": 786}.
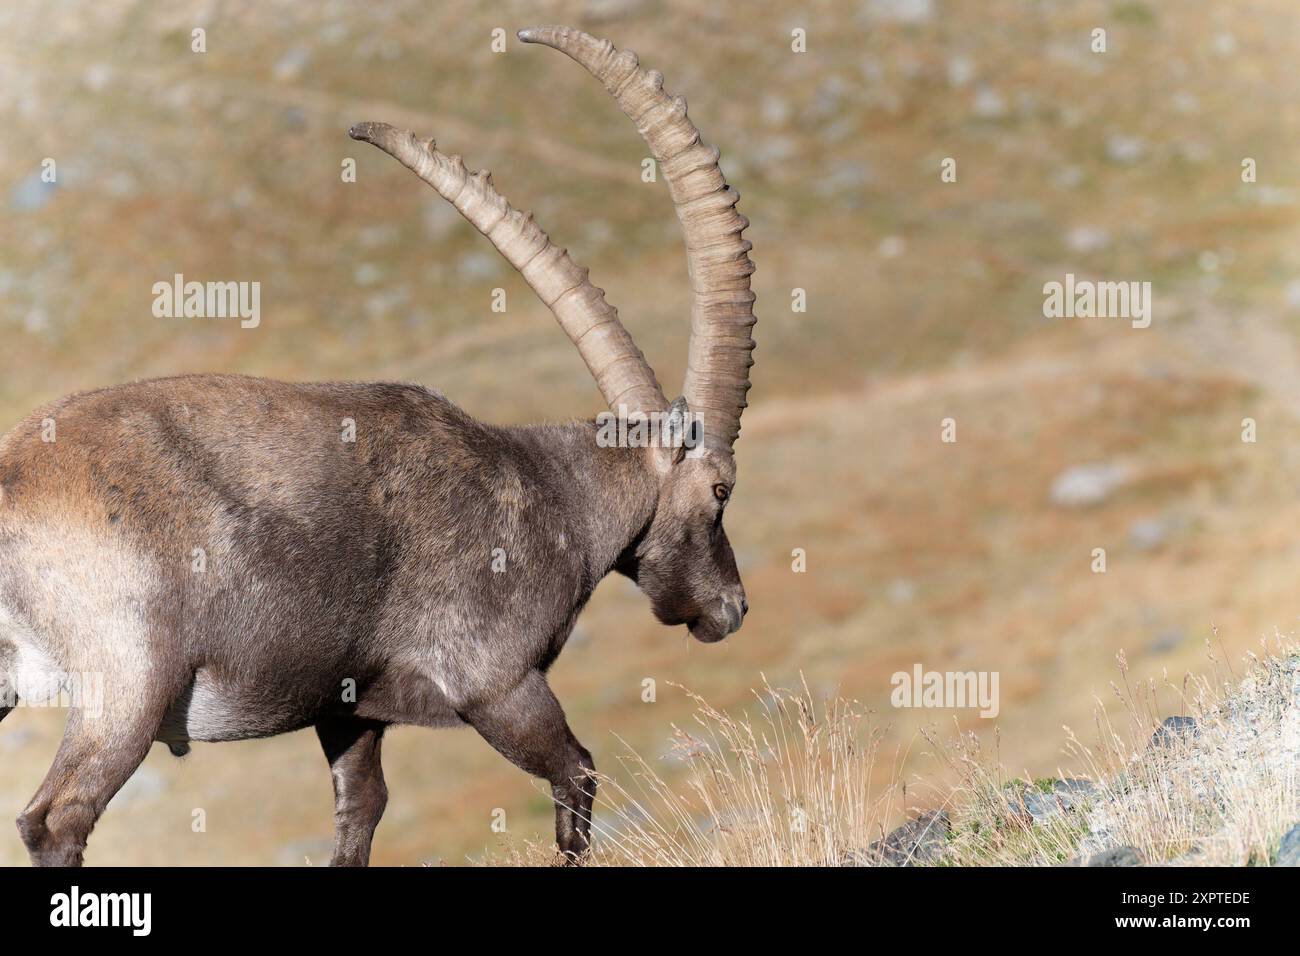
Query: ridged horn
{"x": 592, "y": 324}
{"x": 722, "y": 315}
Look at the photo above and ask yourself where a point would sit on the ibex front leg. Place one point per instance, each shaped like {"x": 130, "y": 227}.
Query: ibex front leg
{"x": 528, "y": 728}
{"x": 352, "y": 747}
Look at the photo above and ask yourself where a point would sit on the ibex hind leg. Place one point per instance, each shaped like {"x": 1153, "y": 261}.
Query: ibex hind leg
{"x": 351, "y": 746}
{"x": 98, "y": 754}
{"x": 527, "y": 727}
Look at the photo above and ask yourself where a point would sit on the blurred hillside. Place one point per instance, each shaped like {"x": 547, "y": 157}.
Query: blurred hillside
{"x": 924, "y": 302}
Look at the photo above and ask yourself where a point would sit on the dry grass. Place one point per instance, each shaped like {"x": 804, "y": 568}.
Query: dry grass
{"x": 1223, "y": 797}
{"x": 793, "y": 785}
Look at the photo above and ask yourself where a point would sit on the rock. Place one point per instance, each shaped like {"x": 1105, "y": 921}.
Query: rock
{"x": 1087, "y": 239}
{"x": 772, "y": 152}
{"x": 891, "y": 247}
{"x": 378, "y": 236}
{"x": 851, "y": 858}
{"x": 366, "y": 273}
{"x": 30, "y": 193}
{"x": 1173, "y": 730}
{"x": 1035, "y": 805}
{"x": 1085, "y": 485}
{"x": 844, "y": 178}
{"x": 477, "y": 266}
{"x": 1041, "y": 807}
{"x": 1148, "y": 533}
{"x": 1193, "y": 857}
{"x": 961, "y": 70}
{"x": 1068, "y": 177}
{"x": 898, "y": 11}
{"x": 291, "y": 65}
{"x": 1075, "y": 792}
{"x": 1120, "y": 856}
{"x": 1288, "y": 853}
{"x": 989, "y": 103}
{"x": 603, "y": 10}
{"x": 17, "y": 739}
{"x": 293, "y": 118}
{"x": 918, "y": 841}
{"x": 1125, "y": 150}
{"x": 1165, "y": 641}
{"x": 440, "y": 219}
{"x": 902, "y": 591}
{"x": 1292, "y": 293}
{"x": 97, "y": 76}
{"x": 775, "y": 110}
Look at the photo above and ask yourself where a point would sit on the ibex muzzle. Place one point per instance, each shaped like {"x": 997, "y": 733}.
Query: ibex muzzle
{"x": 230, "y": 559}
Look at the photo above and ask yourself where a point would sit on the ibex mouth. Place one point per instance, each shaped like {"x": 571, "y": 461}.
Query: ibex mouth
{"x": 710, "y": 630}
{"x": 707, "y": 632}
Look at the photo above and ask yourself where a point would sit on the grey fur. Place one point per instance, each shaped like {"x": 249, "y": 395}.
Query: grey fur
{"x": 327, "y": 562}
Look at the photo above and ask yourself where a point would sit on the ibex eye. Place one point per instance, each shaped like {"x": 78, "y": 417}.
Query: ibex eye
{"x": 720, "y": 492}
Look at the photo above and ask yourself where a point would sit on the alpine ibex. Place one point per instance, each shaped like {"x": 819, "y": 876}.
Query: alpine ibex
{"x": 330, "y": 564}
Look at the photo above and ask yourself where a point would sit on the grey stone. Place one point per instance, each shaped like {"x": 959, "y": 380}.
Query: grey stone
{"x": 30, "y": 193}
{"x": 293, "y": 117}
{"x": 775, "y": 110}
{"x": 961, "y": 70}
{"x": 291, "y": 65}
{"x": 602, "y": 10}
{"x": 440, "y": 218}
{"x": 1173, "y": 730}
{"x": 989, "y": 103}
{"x": 476, "y": 266}
{"x": 1192, "y": 857}
{"x": 1087, "y": 239}
{"x": 17, "y": 739}
{"x": 898, "y": 11}
{"x": 1041, "y": 807}
{"x": 1288, "y": 853}
{"x": 1165, "y": 641}
{"x": 1075, "y": 792}
{"x": 852, "y": 858}
{"x": 1120, "y": 856}
{"x": 902, "y": 591}
{"x": 1065, "y": 796}
{"x": 1085, "y": 485}
{"x": 1125, "y": 149}
{"x": 918, "y": 841}
{"x": 1148, "y": 534}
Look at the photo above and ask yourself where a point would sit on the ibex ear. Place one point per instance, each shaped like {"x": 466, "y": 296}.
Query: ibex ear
{"x": 677, "y": 432}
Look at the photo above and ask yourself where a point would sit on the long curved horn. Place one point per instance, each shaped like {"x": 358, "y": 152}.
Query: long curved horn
{"x": 717, "y": 372}
{"x": 592, "y": 324}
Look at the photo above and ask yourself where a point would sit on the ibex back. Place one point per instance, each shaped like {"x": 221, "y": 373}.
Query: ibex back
{"x": 236, "y": 557}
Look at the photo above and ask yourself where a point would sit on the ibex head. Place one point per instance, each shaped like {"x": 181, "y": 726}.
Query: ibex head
{"x": 682, "y": 558}
{"x": 683, "y": 561}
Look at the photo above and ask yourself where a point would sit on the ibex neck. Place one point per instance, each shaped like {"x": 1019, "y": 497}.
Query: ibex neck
{"x": 608, "y": 495}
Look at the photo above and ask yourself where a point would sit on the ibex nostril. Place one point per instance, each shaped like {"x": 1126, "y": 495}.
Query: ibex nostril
{"x": 744, "y": 606}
